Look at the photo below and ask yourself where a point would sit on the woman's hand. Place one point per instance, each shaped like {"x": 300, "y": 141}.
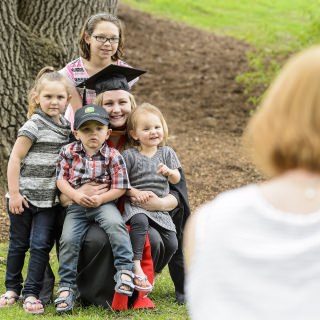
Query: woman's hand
{"x": 96, "y": 201}
{"x": 156, "y": 203}
{"x": 93, "y": 189}
{"x": 90, "y": 189}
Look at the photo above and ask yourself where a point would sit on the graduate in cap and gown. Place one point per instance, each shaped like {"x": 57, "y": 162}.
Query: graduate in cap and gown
{"x": 96, "y": 261}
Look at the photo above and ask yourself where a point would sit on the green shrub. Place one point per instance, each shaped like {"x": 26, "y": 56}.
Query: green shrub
{"x": 265, "y": 63}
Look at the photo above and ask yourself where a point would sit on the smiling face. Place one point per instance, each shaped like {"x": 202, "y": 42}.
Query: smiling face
{"x": 92, "y": 134}
{"x": 100, "y": 50}
{"x": 118, "y": 105}
{"x": 148, "y": 130}
{"x": 52, "y": 98}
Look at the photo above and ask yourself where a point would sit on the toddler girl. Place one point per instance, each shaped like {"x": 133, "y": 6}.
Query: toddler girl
{"x": 151, "y": 166}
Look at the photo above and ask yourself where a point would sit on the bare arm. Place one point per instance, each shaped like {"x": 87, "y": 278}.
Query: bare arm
{"x": 139, "y": 195}
{"x": 108, "y": 196}
{"x": 18, "y": 153}
{"x": 79, "y": 197}
{"x": 75, "y": 195}
{"x": 76, "y": 101}
{"x": 89, "y": 189}
{"x": 172, "y": 174}
{"x": 156, "y": 203}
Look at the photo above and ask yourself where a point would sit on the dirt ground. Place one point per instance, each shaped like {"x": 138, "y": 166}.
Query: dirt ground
{"x": 191, "y": 77}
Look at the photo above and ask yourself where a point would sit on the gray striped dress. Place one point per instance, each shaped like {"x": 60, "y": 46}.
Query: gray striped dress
{"x": 38, "y": 170}
{"x": 143, "y": 175}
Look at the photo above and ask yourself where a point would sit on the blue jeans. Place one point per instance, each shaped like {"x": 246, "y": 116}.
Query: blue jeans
{"x": 75, "y": 227}
{"x": 33, "y": 229}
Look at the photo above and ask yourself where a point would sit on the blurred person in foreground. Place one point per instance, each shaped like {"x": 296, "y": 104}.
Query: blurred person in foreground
{"x": 253, "y": 252}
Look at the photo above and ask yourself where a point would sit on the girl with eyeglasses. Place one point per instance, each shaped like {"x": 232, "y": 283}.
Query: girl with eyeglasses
{"x": 101, "y": 44}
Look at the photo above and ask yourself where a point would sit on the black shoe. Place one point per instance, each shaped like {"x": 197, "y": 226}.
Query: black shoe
{"x": 180, "y": 298}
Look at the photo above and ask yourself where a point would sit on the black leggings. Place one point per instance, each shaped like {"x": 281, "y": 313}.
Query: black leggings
{"x": 139, "y": 226}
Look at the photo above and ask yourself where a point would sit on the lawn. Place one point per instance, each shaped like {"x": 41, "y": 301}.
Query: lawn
{"x": 275, "y": 24}
{"x": 163, "y": 296}
{"x": 279, "y": 24}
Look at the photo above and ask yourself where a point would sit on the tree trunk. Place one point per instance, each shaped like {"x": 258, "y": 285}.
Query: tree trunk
{"x": 35, "y": 33}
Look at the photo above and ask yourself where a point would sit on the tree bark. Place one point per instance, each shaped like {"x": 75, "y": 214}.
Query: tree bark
{"x": 35, "y": 33}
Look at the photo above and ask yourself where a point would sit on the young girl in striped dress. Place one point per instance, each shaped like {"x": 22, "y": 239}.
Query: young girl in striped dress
{"x": 32, "y": 200}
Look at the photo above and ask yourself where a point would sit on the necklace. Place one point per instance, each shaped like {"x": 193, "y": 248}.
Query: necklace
{"x": 309, "y": 184}
{"x": 311, "y": 192}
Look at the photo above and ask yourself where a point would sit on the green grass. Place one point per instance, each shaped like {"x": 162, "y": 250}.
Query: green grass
{"x": 163, "y": 296}
{"x": 263, "y": 23}
{"x": 275, "y": 29}
{"x": 281, "y": 25}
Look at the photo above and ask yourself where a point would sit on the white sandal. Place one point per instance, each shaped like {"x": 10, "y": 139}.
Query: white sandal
{"x": 8, "y": 296}
{"x": 143, "y": 279}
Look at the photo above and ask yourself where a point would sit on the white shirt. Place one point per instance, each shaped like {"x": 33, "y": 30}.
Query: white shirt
{"x": 253, "y": 261}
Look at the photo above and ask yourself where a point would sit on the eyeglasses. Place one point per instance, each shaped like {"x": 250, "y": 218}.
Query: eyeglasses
{"x": 104, "y": 39}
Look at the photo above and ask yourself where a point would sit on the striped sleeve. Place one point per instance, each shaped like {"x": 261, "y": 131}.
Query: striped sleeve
{"x": 29, "y": 130}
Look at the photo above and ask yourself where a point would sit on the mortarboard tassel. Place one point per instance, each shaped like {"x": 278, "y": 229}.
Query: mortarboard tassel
{"x": 84, "y": 98}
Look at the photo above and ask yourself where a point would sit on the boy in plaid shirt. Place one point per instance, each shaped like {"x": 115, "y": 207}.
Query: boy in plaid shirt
{"x": 91, "y": 160}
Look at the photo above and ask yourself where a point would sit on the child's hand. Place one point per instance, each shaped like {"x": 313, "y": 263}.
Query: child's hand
{"x": 83, "y": 200}
{"x": 163, "y": 169}
{"x": 16, "y": 204}
{"x": 141, "y": 197}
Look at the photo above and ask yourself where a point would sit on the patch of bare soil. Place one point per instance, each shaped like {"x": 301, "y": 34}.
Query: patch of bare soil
{"x": 191, "y": 77}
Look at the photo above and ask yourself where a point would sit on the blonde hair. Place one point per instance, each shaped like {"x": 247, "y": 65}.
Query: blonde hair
{"x": 99, "y": 100}
{"x": 284, "y": 133}
{"x": 88, "y": 28}
{"x": 133, "y": 122}
{"x": 45, "y": 74}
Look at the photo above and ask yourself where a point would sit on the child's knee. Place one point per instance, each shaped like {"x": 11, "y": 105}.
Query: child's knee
{"x": 68, "y": 241}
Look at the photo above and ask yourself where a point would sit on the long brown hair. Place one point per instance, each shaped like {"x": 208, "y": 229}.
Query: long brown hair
{"x": 88, "y": 28}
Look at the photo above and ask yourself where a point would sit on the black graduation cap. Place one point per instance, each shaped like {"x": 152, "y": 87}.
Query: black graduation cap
{"x": 113, "y": 77}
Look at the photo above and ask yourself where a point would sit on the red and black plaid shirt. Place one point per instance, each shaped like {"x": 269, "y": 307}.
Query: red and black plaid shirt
{"x": 106, "y": 166}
